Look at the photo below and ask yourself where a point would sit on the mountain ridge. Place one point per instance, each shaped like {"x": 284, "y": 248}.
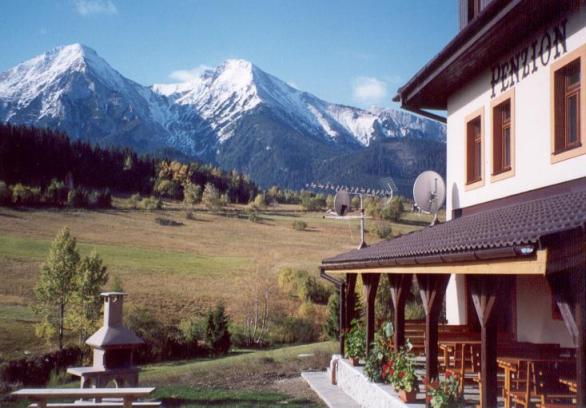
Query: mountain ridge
{"x": 234, "y": 115}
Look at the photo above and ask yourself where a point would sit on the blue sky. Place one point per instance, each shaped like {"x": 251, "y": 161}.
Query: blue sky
{"x": 356, "y": 52}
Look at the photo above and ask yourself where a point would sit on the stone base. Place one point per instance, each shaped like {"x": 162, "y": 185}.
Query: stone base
{"x": 355, "y": 383}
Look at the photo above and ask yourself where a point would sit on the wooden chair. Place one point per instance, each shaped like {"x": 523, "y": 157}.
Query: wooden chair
{"x": 542, "y": 385}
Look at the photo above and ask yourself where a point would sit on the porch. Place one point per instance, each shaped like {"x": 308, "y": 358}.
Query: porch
{"x": 541, "y": 241}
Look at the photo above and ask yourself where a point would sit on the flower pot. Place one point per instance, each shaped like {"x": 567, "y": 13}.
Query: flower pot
{"x": 354, "y": 361}
{"x": 408, "y": 396}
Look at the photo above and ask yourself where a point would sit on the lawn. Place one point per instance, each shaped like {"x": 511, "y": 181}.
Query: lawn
{"x": 245, "y": 378}
{"x": 176, "y": 272}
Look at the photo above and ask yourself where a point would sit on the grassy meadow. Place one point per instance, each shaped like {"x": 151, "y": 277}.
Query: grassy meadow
{"x": 176, "y": 272}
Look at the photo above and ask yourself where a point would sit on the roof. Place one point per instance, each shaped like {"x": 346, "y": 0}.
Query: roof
{"x": 504, "y": 232}
{"x": 113, "y": 336}
{"x": 500, "y": 28}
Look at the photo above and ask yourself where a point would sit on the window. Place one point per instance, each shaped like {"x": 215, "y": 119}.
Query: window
{"x": 473, "y": 9}
{"x": 474, "y": 150}
{"x": 568, "y": 102}
{"x": 503, "y": 136}
{"x": 567, "y": 107}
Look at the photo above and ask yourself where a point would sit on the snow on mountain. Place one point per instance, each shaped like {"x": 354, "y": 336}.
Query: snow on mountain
{"x": 235, "y": 115}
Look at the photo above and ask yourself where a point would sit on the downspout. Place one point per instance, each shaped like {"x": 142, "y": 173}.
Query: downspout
{"x": 341, "y": 285}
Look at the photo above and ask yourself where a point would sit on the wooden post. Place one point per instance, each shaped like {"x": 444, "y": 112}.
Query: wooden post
{"x": 370, "y": 282}
{"x": 580, "y": 293}
{"x": 432, "y": 289}
{"x": 400, "y": 285}
{"x": 484, "y": 291}
{"x": 342, "y": 318}
{"x": 350, "y": 300}
{"x": 562, "y": 288}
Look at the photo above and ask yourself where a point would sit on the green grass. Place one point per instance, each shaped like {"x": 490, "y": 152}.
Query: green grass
{"x": 193, "y": 397}
{"x": 164, "y": 371}
{"x": 127, "y": 257}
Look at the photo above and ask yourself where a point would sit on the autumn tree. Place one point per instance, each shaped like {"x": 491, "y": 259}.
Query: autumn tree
{"x": 56, "y": 285}
{"x": 67, "y": 291}
{"x": 84, "y": 313}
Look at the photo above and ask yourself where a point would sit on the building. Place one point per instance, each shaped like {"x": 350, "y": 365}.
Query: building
{"x": 513, "y": 84}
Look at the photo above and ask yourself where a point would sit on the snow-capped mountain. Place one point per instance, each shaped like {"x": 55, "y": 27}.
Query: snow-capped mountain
{"x": 234, "y": 115}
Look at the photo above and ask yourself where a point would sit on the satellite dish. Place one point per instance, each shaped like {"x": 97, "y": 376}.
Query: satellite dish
{"x": 429, "y": 193}
{"x": 342, "y": 202}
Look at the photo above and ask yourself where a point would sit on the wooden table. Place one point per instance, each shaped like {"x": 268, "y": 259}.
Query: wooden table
{"x": 41, "y": 395}
{"x": 512, "y": 364}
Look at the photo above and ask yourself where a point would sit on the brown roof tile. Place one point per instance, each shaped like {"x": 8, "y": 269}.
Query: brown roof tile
{"x": 505, "y": 227}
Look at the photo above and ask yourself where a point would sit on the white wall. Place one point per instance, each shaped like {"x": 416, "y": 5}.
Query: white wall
{"x": 534, "y": 313}
{"x": 533, "y": 168}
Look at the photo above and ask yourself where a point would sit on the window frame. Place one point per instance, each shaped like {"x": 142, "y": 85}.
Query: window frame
{"x": 580, "y": 148}
{"x": 473, "y": 184}
{"x": 501, "y": 174}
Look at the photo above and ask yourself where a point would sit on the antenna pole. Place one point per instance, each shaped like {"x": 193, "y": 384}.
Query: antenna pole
{"x": 362, "y": 242}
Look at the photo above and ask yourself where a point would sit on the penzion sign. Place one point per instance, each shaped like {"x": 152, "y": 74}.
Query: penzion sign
{"x": 538, "y": 53}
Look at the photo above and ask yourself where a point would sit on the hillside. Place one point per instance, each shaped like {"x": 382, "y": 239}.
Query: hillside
{"x": 176, "y": 272}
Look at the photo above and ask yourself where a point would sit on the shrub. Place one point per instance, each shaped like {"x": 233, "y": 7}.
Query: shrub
{"x": 252, "y": 215}
{"x": 77, "y": 198}
{"x": 299, "y": 225}
{"x": 26, "y": 195}
{"x": 383, "y": 230}
{"x": 355, "y": 203}
{"x": 191, "y": 193}
{"x": 5, "y": 195}
{"x": 193, "y": 329}
{"x": 217, "y": 333}
{"x": 56, "y": 193}
{"x": 295, "y": 330}
{"x": 260, "y": 201}
{"x": 151, "y": 203}
{"x": 134, "y": 201}
{"x": 310, "y": 203}
{"x": 299, "y": 283}
{"x": 37, "y": 370}
{"x": 168, "y": 188}
{"x": 414, "y": 311}
{"x": 101, "y": 199}
{"x": 211, "y": 197}
{"x": 392, "y": 210}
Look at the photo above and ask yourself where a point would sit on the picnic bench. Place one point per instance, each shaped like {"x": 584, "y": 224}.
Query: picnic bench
{"x": 87, "y": 397}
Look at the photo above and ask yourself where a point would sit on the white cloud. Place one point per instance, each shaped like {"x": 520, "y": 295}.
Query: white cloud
{"x": 369, "y": 90}
{"x": 90, "y": 7}
{"x": 188, "y": 75}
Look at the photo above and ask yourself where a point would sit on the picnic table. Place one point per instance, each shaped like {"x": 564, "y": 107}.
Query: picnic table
{"x": 465, "y": 357}
{"x": 127, "y": 397}
{"x": 515, "y": 365}
{"x": 572, "y": 383}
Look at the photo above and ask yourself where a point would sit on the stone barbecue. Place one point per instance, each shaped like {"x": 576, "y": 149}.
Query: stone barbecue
{"x": 113, "y": 345}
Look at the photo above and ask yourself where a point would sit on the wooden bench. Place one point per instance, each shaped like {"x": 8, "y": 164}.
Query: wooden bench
{"x": 102, "y": 397}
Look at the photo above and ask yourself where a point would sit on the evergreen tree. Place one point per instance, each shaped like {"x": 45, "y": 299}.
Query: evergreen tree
{"x": 217, "y": 334}
{"x": 56, "y": 285}
{"x": 332, "y": 324}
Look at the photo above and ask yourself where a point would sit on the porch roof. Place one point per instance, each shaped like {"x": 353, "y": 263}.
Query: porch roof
{"x": 511, "y": 231}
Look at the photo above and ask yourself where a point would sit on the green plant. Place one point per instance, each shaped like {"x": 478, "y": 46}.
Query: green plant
{"x": 151, "y": 203}
{"x": 380, "y": 353}
{"x": 400, "y": 370}
{"x": 134, "y": 201}
{"x": 299, "y": 225}
{"x": 444, "y": 393}
{"x": 383, "y": 230}
{"x": 217, "y": 333}
{"x": 356, "y": 340}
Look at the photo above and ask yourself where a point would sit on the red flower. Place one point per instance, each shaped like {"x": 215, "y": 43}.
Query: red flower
{"x": 401, "y": 374}
{"x": 425, "y": 381}
{"x": 449, "y": 374}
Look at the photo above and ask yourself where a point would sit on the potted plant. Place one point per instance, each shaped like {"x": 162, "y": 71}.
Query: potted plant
{"x": 400, "y": 372}
{"x": 444, "y": 393}
{"x": 356, "y": 342}
{"x": 379, "y": 354}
